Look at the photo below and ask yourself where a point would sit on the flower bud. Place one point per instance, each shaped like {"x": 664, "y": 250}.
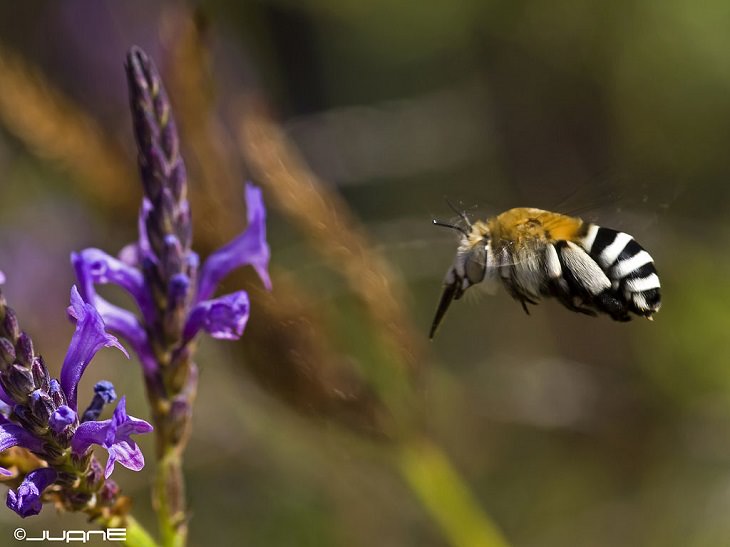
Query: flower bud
{"x": 24, "y": 348}
{"x": 10, "y": 324}
{"x": 41, "y": 405}
{"x": 7, "y": 351}
{"x": 61, "y": 419}
{"x": 41, "y": 378}
{"x": 25, "y": 417}
{"x": 103, "y": 394}
{"x": 56, "y": 393}
{"x": 18, "y": 382}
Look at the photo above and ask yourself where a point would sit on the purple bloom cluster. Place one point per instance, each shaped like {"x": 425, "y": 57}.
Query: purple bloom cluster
{"x": 175, "y": 298}
{"x": 173, "y": 292}
{"x": 222, "y": 317}
{"x": 41, "y": 414}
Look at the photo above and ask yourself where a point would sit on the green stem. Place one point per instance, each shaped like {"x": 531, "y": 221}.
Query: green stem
{"x": 170, "y": 498}
{"x": 172, "y": 416}
{"x": 137, "y": 536}
{"x": 442, "y": 492}
{"x": 135, "y": 533}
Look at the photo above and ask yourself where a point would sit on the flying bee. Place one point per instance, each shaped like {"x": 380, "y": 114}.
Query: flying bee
{"x": 536, "y": 254}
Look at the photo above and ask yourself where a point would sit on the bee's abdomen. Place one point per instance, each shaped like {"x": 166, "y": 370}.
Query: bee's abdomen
{"x": 634, "y": 279}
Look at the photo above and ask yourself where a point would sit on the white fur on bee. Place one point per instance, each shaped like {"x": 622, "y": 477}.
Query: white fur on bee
{"x": 528, "y": 272}
{"x": 552, "y": 262}
{"x": 588, "y": 274}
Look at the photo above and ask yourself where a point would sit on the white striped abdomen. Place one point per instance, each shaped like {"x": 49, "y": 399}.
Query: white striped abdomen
{"x": 603, "y": 271}
{"x": 634, "y": 280}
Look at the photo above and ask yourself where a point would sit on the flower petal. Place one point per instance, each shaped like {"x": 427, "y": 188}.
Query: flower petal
{"x": 113, "y": 435}
{"x": 26, "y": 500}
{"x": 133, "y": 426}
{"x": 15, "y": 435}
{"x": 126, "y": 325}
{"x": 5, "y": 410}
{"x": 4, "y": 397}
{"x": 89, "y": 433}
{"x": 119, "y": 416}
{"x": 124, "y": 425}
{"x": 88, "y": 338}
{"x": 103, "y": 268}
{"x": 127, "y": 453}
{"x": 118, "y": 320}
{"x": 223, "y": 317}
{"x": 248, "y": 248}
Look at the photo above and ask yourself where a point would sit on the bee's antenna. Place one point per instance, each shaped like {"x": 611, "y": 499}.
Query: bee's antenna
{"x": 452, "y": 226}
{"x": 462, "y": 214}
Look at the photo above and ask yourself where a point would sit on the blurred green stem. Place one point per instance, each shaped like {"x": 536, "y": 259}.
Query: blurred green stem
{"x": 169, "y": 498}
{"x": 172, "y": 402}
{"x": 439, "y": 488}
{"x": 137, "y": 536}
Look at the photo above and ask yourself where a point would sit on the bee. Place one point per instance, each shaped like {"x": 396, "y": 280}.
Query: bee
{"x": 536, "y": 254}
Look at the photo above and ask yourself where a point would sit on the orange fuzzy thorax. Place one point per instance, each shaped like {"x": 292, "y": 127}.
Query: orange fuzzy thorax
{"x": 523, "y": 224}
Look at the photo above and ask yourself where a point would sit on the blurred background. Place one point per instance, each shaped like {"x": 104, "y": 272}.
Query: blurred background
{"x": 334, "y": 421}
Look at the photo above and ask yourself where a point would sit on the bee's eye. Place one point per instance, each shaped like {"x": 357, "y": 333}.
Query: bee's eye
{"x": 476, "y": 265}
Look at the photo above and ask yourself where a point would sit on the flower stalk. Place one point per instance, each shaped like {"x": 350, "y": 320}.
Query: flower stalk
{"x": 174, "y": 293}
{"x": 168, "y": 271}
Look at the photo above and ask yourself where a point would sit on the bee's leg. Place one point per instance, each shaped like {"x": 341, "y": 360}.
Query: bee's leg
{"x": 582, "y": 309}
{"x": 521, "y": 298}
{"x": 559, "y": 289}
{"x": 572, "y": 305}
{"x": 524, "y": 300}
{"x": 513, "y": 289}
{"x": 613, "y": 305}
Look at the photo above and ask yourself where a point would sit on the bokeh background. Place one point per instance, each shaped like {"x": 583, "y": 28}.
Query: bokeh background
{"x": 334, "y": 421}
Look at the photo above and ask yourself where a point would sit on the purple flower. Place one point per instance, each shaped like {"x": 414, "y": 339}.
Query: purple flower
{"x": 26, "y": 500}
{"x": 88, "y": 339}
{"x": 223, "y": 317}
{"x": 103, "y": 268}
{"x": 44, "y": 416}
{"x": 15, "y": 435}
{"x": 118, "y": 320}
{"x": 173, "y": 292}
{"x": 114, "y": 436}
{"x": 40, "y": 413}
{"x": 248, "y": 248}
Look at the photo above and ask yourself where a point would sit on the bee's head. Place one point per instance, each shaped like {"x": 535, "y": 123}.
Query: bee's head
{"x": 469, "y": 267}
